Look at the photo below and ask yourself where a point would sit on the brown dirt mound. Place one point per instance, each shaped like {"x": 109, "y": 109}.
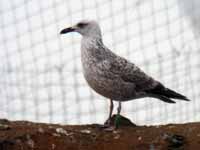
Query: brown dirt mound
{"x": 23, "y": 135}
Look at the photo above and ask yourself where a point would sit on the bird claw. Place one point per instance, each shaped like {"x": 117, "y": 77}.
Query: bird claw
{"x": 115, "y": 121}
{"x": 107, "y": 127}
{"x": 110, "y": 129}
{"x": 107, "y": 122}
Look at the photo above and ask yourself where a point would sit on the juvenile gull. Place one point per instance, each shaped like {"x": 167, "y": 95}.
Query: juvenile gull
{"x": 113, "y": 76}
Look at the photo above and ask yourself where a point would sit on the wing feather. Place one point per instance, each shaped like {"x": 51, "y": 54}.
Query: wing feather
{"x": 129, "y": 72}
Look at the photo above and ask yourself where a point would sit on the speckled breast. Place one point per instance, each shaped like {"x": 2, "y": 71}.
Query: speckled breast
{"x": 110, "y": 87}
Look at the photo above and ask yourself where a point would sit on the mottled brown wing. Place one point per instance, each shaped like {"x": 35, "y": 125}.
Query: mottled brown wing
{"x": 131, "y": 73}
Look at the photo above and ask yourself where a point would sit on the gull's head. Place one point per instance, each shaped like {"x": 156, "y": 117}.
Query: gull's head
{"x": 87, "y": 28}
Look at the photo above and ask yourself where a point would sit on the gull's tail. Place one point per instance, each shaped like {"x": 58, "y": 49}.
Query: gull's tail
{"x": 166, "y": 94}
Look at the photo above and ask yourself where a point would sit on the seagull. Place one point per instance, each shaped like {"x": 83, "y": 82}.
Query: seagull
{"x": 112, "y": 76}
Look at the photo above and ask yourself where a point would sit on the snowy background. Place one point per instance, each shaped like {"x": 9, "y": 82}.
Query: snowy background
{"x": 41, "y": 78}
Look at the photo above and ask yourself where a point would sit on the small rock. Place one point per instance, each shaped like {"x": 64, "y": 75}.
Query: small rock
{"x": 117, "y": 136}
{"x": 86, "y": 131}
{"x": 56, "y": 134}
{"x": 53, "y": 146}
{"x": 50, "y": 127}
{"x": 116, "y": 131}
{"x": 165, "y": 136}
{"x": 139, "y": 138}
{"x": 62, "y": 131}
{"x": 40, "y": 130}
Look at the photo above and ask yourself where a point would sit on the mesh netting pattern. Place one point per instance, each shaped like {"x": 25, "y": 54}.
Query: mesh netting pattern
{"x": 41, "y": 74}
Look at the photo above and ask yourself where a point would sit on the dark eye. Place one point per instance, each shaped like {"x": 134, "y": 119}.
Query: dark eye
{"x": 81, "y": 25}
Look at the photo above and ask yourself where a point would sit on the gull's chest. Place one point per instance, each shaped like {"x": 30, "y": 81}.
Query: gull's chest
{"x": 89, "y": 65}
{"x": 93, "y": 72}
{"x": 104, "y": 81}
{"x": 91, "y": 56}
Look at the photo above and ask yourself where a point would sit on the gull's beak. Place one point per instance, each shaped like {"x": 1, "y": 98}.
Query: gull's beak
{"x": 67, "y": 30}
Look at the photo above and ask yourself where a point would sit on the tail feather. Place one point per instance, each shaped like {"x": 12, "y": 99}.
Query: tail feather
{"x": 163, "y": 93}
{"x": 164, "y": 99}
{"x": 172, "y": 94}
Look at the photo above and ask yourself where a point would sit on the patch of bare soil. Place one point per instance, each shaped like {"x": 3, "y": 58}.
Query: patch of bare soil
{"x": 23, "y": 135}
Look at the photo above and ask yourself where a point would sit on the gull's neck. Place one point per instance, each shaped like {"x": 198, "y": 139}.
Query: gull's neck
{"x": 91, "y": 42}
{"x": 92, "y": 50}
